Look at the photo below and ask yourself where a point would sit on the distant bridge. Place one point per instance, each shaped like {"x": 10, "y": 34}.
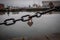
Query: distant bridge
{"x": 28, "y": 9}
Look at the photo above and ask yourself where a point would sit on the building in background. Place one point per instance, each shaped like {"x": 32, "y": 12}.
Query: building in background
{"x": 1, "y": 7}
{"x": 46, "y": 3}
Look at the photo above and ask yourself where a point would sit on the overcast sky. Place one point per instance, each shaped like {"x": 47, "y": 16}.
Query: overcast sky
{"x": 23, "y": 2}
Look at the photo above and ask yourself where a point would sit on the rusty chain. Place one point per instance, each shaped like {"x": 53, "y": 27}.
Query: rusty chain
{"x": 37, "y": 14}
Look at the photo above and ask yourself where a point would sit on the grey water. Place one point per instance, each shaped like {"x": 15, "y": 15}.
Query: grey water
{"x": 46, "y": 24}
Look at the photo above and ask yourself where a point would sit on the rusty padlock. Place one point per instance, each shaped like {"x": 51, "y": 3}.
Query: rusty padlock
{"x": 30, "y": 22}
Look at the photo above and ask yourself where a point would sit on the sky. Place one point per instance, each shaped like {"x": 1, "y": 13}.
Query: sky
{"x": 23, "y": 2}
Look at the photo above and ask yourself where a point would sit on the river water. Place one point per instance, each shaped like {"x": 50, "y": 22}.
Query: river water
{"x": 46, "y": 24}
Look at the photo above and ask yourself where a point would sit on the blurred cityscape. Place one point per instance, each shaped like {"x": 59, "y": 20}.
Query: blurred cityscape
{"x": 45, "y": 4}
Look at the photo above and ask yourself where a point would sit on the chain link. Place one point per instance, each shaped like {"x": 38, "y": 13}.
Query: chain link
{"x": 11, "y": 19}
{"x": 1, "y": 23}
{"x": 24, "y": 20}
{"x": 38, "y": 14}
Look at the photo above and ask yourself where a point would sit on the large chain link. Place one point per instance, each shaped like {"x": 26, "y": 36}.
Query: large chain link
{"x": 38, "y": 14}
{"x": 13, "y": 21}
